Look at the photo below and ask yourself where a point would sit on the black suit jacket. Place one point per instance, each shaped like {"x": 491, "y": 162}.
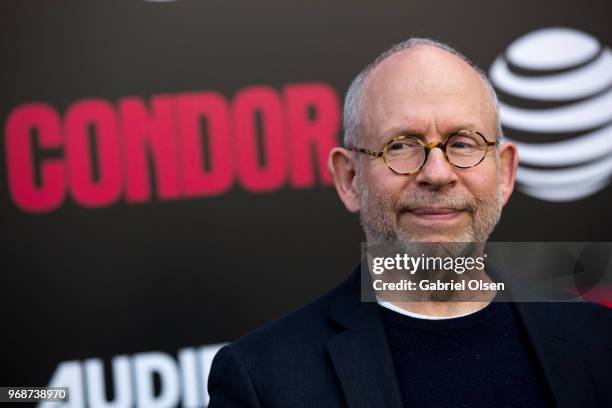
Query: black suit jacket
{"x": 334, "y": 353}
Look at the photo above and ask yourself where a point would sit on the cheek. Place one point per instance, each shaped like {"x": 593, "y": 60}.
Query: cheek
{"x": 482, "y": 184}
{"x": 387, "y": 186}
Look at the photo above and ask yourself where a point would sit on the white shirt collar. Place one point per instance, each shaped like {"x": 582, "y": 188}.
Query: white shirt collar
{"x": 398, "y": 309}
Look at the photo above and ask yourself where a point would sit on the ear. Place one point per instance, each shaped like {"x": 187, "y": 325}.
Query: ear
{"x": 341, "y": 165}
{"x": 508, "y": 163}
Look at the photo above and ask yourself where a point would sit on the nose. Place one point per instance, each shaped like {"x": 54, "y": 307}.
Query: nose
{"x": 436, "y": 173}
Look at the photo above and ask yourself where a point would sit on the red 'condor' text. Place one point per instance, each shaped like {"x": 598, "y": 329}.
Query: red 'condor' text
{"x": 176, "y": 146}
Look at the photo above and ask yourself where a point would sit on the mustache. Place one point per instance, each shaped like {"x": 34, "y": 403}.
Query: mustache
{"x": 422, "y": 199}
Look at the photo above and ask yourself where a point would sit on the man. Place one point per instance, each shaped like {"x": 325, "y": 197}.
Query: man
{"x": 409, "y": 118}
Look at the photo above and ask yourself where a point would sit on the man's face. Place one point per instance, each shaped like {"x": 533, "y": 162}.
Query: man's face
{"x": 431, "y": 94}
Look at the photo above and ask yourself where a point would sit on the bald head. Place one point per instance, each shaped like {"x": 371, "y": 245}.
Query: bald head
{"x": 428, "y": 95}
{"x": 423, "y": 71}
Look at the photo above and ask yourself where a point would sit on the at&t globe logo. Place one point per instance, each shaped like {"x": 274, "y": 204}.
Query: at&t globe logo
{"x": 555, "y": 88}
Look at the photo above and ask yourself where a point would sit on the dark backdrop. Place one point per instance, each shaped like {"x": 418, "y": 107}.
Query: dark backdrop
{"x": 123, "y": 278}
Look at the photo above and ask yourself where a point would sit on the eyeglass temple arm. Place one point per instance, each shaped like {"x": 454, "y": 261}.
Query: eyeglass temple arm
{"x": 366, "y": 151}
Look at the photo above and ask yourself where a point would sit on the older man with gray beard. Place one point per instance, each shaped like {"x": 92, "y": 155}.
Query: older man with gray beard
{"x": 423, "y": 162}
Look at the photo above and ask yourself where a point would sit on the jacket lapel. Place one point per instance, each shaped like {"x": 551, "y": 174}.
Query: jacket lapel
{"x": 360, "y": 353}
{"x": 555, "y": 346}
{"x": 558, "y": 353}
{"x": 361, "y": 357}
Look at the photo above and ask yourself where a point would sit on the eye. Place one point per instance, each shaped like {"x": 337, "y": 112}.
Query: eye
{"x": 403, "y": 144}
{"x": 397, "y": 146}
{"x": 461, "y": 145}
{"x": 461, "y": 141}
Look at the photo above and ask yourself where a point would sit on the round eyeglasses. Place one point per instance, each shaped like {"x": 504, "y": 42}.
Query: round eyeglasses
{"x": 408, "y": 154}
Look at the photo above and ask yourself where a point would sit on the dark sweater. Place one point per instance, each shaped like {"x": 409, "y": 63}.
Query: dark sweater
{"x": 480, "y": 360}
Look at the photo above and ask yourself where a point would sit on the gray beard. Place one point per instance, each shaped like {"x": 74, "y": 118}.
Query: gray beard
{"x": 385, "y": 236}
{"x": 380, "y": 219}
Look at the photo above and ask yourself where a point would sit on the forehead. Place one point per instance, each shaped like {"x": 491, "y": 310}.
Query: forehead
{"x": 424, "y": 89}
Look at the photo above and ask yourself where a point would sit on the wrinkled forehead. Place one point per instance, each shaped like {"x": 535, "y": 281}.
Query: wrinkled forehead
{"x": 425, "y": 89}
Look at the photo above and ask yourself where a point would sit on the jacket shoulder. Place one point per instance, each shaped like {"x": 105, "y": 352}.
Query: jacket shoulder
{"x": 306, "y": 327}
{"x": 590, "y": 318}
{"x": 280, "y": 360}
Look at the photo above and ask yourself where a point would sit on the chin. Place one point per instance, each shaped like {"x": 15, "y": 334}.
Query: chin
{"x": 438, "y": 236}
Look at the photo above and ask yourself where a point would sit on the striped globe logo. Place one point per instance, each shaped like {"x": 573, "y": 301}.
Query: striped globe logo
{"x": 555, "y": 89}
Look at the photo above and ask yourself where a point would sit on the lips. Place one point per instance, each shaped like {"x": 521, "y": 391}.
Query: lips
{"x": 435, "y": 213}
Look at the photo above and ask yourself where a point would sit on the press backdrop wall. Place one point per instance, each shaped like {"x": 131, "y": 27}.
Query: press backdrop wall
{"x": 163, "y": 182}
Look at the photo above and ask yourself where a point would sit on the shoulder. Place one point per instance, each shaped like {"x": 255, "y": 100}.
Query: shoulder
{"x": 270, "y": 361}
{"x": 589, "y": 327}
{"x": 588, "y": 318}
{"x": 585, "y": 325}
{"x": 284, "y": 358}
{"x": 302, "y": 329}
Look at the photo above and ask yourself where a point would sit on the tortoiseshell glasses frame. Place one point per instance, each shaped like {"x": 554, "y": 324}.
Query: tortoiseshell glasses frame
{"x": 475, "y": 147}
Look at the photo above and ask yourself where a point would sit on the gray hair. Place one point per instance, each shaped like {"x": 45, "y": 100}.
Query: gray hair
{"x": 352, "y": 109}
